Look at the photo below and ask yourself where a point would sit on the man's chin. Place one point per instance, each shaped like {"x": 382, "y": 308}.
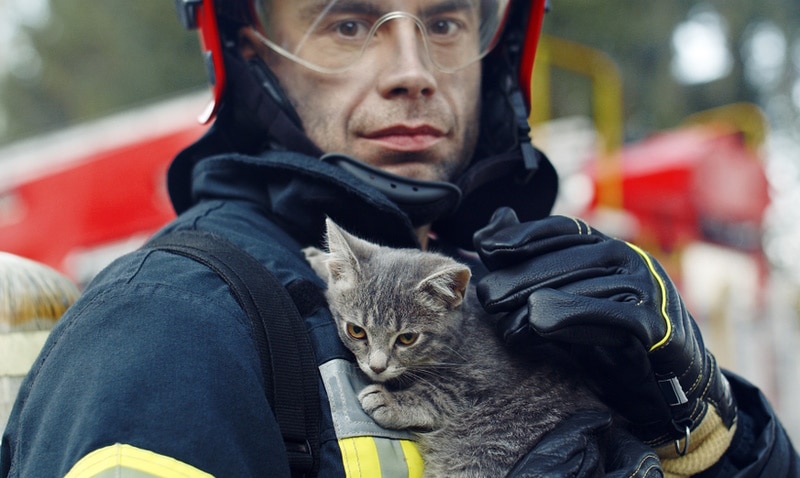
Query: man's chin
{"x": 419, "y": 171}
{"x": 429, "y": 165}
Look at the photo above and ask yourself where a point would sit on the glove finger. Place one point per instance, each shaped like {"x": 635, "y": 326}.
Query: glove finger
{"x": 502, "y": 218}
{"x": 515, "y": 330}
{"x": 570, "y": 449}
{"x": 508, "y": 289}
{"x": 503, "y": 243}
{"x": 624, "y": 288}
{"x": 558, "y": 315}
{"x": 631, "y": 303}
{"x": 625, "y": 452}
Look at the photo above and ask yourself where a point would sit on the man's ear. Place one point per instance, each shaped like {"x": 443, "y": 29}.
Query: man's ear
{"x": 249, "y": 44}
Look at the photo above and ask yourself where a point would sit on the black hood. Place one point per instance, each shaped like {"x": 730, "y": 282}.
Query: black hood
{"x": 505, "y": 170}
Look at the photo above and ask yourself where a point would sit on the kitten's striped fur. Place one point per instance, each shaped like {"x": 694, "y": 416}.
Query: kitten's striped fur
{"x": 437, "y": 367}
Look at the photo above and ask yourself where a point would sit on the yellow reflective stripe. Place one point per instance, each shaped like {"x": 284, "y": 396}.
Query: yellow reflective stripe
{"x": 121, "y": 457}
{"x": 360, "y": 457}
{"x": 413, "y": 458}
{"x": 663, "y": 288}
{"x": 18, "y": 351}
{"x": 374, "y": 457}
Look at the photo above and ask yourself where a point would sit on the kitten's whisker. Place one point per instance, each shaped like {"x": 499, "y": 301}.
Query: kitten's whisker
{"x": 421, "y": 378}
{"x": 435, "y": 372}
{"x": 457, "y": 353}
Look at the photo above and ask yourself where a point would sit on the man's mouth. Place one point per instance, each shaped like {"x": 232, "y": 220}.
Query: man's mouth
{"x": 406, "y": 138}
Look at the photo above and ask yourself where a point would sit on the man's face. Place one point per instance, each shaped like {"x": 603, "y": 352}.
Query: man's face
{"x": 393, "y": 109}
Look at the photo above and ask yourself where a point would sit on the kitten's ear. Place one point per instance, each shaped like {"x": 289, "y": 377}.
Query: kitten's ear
{"x": 345, "y": 250}
{"x": 447, "y": 285}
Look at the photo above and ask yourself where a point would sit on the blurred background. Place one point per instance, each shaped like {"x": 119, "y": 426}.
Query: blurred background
{"x": 673, "y": 124}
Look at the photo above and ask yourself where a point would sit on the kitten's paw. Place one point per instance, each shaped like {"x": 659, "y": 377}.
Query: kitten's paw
{"x": 380, "y": 405}
{"x": 374, "y": 397}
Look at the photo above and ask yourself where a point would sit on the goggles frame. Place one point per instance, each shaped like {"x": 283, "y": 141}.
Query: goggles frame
{"x": 382, "y": 20}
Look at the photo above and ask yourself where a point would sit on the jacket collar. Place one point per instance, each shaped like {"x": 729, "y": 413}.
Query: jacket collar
{"x": 299, "y": 191}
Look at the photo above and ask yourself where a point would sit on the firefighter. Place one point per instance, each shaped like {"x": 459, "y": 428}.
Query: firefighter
{"x": 406, "y": 123}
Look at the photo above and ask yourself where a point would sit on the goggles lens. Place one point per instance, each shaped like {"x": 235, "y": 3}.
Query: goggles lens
{"x": 331, "y": 36}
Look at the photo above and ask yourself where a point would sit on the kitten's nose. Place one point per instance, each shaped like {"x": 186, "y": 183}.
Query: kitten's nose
{"x": 377, "y": 368}
{"x": 378, "y": 362}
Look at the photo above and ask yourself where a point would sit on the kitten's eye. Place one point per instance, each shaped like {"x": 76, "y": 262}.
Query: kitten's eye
{"x": 408, "y": 338}
{"x": 356, "y": 332}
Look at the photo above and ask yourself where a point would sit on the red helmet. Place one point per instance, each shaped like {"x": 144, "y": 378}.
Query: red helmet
{"x": 210, "y": 17}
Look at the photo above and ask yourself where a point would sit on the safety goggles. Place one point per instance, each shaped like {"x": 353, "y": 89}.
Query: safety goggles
{"x": 331, "y": 36}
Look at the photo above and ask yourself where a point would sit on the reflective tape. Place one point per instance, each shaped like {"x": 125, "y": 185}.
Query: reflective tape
{"x": 368, "y": 457}
{"x": 127, "y": 461}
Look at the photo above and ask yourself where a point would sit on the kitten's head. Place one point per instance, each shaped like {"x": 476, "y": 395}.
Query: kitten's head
{"x": 397, "y": 310}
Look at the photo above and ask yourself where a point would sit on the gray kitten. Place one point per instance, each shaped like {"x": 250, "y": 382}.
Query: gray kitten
{"x": 437, "y": 367}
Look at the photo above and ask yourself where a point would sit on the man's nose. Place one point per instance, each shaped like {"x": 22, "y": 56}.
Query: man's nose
{"x": 407, "y": 68}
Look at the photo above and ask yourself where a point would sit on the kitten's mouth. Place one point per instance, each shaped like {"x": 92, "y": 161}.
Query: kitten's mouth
{"x": 394, "y": 379}
{"x": 383, "y": 377}
{"x": 399, "y": 383}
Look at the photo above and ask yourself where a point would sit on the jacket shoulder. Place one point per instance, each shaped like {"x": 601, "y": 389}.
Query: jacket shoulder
{"x": 158, "y": 355}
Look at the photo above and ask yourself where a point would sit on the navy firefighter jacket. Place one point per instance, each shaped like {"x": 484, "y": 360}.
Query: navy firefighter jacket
{"x": 155, "y": 363}
{"x": 153, "y": 370}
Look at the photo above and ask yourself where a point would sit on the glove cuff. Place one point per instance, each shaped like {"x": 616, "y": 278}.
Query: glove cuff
{"x": 689, "y": 399}
{"x": 714, "y": 393}
{"x": 707, "y": 443}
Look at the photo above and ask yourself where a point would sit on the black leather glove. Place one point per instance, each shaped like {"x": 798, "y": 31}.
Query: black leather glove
{"x": 586, "y": 445}
{"x": 614, "y": 308}
{"x": 569, "y": 450}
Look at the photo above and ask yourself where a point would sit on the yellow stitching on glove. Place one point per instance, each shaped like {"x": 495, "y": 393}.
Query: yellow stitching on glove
{"x": 708, "y": 443}
{"x": 646, "y": 257}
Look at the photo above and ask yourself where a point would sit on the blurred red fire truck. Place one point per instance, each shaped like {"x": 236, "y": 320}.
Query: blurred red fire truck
{"x": 77, "y": 198}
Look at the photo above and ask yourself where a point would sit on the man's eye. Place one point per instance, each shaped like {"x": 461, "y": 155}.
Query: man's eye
{"x": 442, "y": 27}
{"x": 352, "y": 29}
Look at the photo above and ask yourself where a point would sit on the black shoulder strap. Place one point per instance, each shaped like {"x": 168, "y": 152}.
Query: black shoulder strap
{"x": 287, "y": 359}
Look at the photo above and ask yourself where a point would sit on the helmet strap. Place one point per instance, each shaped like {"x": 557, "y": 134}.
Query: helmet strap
{"x": 263, "y": 115}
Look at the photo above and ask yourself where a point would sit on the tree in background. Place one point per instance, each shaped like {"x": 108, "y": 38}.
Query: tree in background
{"x": 96, "y": 58}
{"x": 638, "y": 36}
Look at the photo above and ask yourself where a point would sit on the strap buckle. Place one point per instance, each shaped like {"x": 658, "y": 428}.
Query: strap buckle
{"x": 301, "y": 458}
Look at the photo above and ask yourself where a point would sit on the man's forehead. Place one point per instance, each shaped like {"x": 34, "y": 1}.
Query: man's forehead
{"x": 316, "y": 7}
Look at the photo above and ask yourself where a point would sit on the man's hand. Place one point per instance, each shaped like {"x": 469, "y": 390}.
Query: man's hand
{"x": 573, "y": 449}
{"x": 615, "y": 309}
